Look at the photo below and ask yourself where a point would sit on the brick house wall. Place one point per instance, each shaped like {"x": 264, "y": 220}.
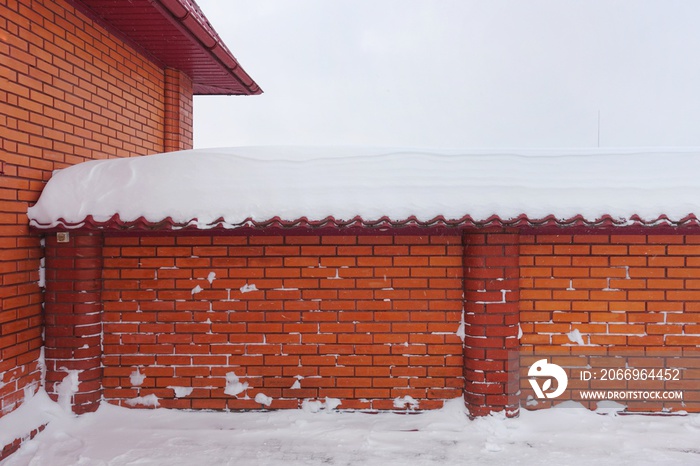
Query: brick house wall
{"x": 71, "y": 91}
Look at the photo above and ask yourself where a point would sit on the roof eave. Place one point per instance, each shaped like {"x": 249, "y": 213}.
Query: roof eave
{"x": 211, "y": 42}
{"x": 189, "y": 21}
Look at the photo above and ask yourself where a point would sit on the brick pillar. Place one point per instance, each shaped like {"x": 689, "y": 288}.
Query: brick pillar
{"x": 491, "y": 302}
{"x": 73, "y": 316}
{"x": 178, "y": 111}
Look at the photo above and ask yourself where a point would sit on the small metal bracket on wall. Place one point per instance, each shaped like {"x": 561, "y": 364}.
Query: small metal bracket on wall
{"x": 62, "y": 237}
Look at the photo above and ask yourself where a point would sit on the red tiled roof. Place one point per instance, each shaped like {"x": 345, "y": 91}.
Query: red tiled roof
{"x": 176, "y": 34}
{"x": 276, "y": 223}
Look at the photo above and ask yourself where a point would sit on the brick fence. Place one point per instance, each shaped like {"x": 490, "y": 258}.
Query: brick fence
{"x": 367, "y": 318}
{"x": 491, "y": 359}
{"x": 626, "y": 294}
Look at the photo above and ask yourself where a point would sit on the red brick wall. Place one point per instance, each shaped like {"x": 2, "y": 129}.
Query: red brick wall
{"x": 364, "y": 319}
{"x": 491, "y": 295}
{"x": 639, "y": 292}
{"x": 70, "y": 92}
{"x": 73, "y": 316}
{"x": 178, "y": 111}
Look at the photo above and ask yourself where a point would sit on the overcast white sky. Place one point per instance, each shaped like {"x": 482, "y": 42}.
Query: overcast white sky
{"x": 458, "y": 73}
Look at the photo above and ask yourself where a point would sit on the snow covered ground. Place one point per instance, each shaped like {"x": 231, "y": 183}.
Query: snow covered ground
{"x": 116, "y": 436}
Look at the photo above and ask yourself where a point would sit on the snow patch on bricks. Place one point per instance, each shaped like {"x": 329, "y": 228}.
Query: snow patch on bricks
{"x": 314, "y": 406}
{"x": 406, "y": 402}
{"x": 181, "y": 392}
{"x": 575, "y": 337}
{"x": 248, "y": 288}
{"x": 67, "y": 388}
{"x": 42, "y": 272}
{"x": 149, "y": 401}
{"x": 461, "y": 329}
{"x": 297, "y": 382}
{"x": 233, "y": 385}
{"x": 136, "y": 378}
{"x": 263, "y": 399}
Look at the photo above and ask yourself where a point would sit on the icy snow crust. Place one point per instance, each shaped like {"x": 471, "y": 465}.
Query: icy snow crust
{"x": 244, "y": 185}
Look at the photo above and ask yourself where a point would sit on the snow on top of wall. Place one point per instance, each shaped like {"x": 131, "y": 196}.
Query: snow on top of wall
{"x": 243, "y": 185}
